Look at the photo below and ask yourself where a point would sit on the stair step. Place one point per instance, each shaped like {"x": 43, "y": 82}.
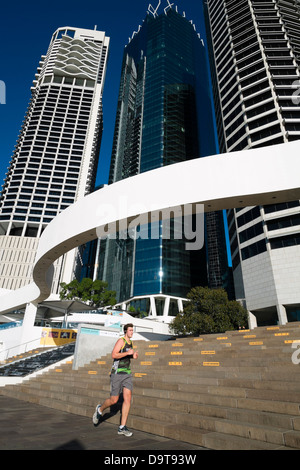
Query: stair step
{"x": 182, "y": 420}
{"x": 259, "y": 432}
{"x": 237, "y": 390}
{"x": 219, "y": 441}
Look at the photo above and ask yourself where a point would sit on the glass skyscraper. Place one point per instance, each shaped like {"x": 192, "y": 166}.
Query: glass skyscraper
{"x": 164, "y": 116}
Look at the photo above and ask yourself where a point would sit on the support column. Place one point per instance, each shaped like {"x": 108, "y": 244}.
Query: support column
{"x": 153, "y": 306}
{"x": 282, "y": 316}
{"x": 180, "y": 305}
{"x": 27, "y": 327}
{"x": 166, "y": 307}
{"x": 252, "y": 321}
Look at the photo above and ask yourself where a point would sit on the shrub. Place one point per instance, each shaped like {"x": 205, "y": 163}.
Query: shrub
{"x": 209, "y": 311}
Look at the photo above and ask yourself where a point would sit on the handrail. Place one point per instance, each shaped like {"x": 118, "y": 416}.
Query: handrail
{"x": 19, "y": 346}
{"x": 11, "y": 324}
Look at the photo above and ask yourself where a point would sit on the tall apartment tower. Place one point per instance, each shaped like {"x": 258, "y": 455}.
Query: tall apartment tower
{"x": 55, "y": 159}
{"x": 255, "y": 60}
{"x": 164, "y": 116}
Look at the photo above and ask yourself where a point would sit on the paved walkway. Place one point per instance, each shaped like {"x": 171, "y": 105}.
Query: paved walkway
{"x": 27, "y": 426}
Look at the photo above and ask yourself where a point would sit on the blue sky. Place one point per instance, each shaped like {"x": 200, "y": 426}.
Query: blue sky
{"x": 25, "y": 32}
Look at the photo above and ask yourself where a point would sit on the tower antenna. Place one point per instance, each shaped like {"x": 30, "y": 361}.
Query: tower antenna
{"x": 152, "y": 10}
{"x": 169, "y": 7}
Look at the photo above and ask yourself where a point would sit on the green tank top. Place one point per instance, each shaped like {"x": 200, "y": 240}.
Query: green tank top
{"x": 122, "y": 366}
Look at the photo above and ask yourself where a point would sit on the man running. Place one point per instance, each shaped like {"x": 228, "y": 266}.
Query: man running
{"x": 120, "y": 379}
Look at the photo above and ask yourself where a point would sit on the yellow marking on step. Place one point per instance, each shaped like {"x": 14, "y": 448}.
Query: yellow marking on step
{"x": 208, "y": 352}
{"x": 177, "y": 344}
{"x": 139, "y": 374}
{"x": 222, "y": 337}
{"x": 249, "y": 336}
{"x": 92, "y": 372}
{"x": 198, "y": 339}
{"x": 175, "y": 363}
{"x": 153, "y": 346}
{"x": 289, "y": 341}
{"x": 281, "y": 334}
{"x": 256, "y": 343}
{"x": 146, "y": 363}
{"x": 101, "y": 362}
{"x": 150, "y": 353}
{"x": 58, "y": 370}
{"x": 176, "y": 353}
{"x": 211, "y": 364}
{"x": 273, "y": 328}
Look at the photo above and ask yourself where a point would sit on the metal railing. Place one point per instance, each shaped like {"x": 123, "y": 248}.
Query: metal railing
{"x": 20, "y": 349}
{"x": 12, "y": 324}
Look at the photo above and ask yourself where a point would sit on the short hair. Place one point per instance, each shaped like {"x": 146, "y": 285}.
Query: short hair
{"x": 127, "y": 326}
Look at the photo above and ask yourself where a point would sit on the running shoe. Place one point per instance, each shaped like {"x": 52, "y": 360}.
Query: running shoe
{"x": 97, "y": 416}
{"x": 125, "y": 431}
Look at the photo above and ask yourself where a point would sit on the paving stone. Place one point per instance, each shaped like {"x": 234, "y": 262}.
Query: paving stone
{"x": 27, "y": 426}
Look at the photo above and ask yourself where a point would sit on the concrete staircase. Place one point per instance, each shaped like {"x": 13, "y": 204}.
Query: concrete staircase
{"x": 238, "y": 390}
{"x": 37, "y": 359}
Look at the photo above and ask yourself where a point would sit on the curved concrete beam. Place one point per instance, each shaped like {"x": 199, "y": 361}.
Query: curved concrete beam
{"x": 238, "y": 179}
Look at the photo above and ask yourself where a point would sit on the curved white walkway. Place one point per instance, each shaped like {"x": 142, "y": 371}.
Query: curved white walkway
{"x": 237, "y": 179}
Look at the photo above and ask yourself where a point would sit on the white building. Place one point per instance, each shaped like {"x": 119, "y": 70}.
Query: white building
{"x": 55, "y": 159}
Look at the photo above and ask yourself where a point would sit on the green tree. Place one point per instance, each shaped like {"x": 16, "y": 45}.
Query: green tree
{"x": 209, "y": 311}
{"x": 95, "y": 293}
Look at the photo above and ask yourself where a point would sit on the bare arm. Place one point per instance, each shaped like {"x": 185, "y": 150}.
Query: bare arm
{"x": 115, "y": 352}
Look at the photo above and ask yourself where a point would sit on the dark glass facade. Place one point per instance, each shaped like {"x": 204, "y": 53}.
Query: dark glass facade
{"x": 164, "y": 116}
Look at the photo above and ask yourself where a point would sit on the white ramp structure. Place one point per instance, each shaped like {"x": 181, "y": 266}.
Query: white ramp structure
{"x": 238, "y": 179}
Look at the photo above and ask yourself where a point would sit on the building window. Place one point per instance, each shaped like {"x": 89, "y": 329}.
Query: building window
{"x": 283, "y": 242}
{"x": 251, "y": 232}
{"x": 248, "y": 216}
{"x": 280, "y": 207}
{"x": 254, "y": 249}
{"x": 284, "y": 222}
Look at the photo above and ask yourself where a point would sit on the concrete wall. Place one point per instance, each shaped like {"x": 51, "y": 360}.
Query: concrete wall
{"x": 9, "y": 342}
{"x": 92, "y": 342}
